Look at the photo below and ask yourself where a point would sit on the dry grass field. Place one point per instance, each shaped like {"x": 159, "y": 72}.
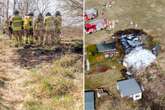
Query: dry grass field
{"x": 35, "y": 79}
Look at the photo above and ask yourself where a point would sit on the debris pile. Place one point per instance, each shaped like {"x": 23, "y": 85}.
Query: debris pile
{"x": 139, "y": 58}
{"x": 129, "y": 42}
{"x": 101, "y": 92}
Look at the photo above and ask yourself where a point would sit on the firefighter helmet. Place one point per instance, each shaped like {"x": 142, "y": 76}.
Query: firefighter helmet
{"x": 40, "y": 15}
{"x": 58, "y": 13}
{"x": 48, "y": 14}
{"x": 30, "y": 14}
{"x": 16, "y": 12}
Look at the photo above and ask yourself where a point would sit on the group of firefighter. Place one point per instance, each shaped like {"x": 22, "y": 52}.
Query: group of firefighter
{"x": 42, "y": 30}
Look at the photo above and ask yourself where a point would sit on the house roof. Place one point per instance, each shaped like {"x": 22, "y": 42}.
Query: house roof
{"x": 128, "y": 87}
{"x": 98, "y": 21}
{"x": 89, "y": 100}
{"x": 105, "y": 47}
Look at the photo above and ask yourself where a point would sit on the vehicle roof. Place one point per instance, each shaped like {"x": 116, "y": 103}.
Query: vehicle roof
{"x": 97, "y": 21}
{"x": 89, "y": 100}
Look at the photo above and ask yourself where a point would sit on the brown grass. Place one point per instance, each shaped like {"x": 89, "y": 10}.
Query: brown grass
{"x": 57, "y": 86}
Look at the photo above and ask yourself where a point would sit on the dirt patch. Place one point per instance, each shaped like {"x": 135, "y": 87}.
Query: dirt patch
{"x": 99, "y": 69}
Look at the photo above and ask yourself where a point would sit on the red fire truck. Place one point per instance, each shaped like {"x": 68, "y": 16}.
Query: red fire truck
{"x": 90, "y": 14}
{"x": 95, "y": 25}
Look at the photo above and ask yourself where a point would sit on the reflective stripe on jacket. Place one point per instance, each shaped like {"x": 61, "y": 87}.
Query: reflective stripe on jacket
{"x": 58, "y": 24}
{"x": 49, "y": 23}
{"x": 27, "y": 24}
{"x": 17, "y": 23}
{"x": 38, "y": 24}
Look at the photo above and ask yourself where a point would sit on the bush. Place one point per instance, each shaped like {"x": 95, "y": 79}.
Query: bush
{"x": 63, "y": 87}
{"x": 91, "y": 49}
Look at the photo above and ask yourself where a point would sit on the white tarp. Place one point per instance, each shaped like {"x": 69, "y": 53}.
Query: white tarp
{"x": 139, "y": 58}
{"x": 91, "y": 11}
{"x": 100, "y": 24}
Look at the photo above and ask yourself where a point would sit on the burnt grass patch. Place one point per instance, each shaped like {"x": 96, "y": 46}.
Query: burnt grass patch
{"x": 147, "y": 39}
{"x": 30, "y": 55}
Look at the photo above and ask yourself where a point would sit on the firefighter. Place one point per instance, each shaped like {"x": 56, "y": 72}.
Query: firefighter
{"x": 58, "y": 26}
{"x": 39, "y": 29}
{"x": 10, "y": 27}
{"x": 16, "y": 25}
{"x": 28, "y": 28}
{"x": 49, "y": 29}
{"x": 31, "y": 27}
{"x": 5, "y": 27}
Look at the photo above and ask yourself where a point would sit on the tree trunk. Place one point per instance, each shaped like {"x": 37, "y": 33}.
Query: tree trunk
{"x": 14, "y": 5}
{"x": 7, "y": 9}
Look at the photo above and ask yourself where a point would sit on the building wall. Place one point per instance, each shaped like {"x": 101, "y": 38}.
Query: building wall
{"x": 137, "y": 96}
{"x": 87, "y": 65}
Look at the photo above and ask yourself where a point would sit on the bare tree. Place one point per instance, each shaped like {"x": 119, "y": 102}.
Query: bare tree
{"x": 14, "y": 3}
{"x": 72, "y": 5}
{"x": 7, "y": 9}
{"x": 42, "y": 6}
{"x": 75, "y": 4}
{"x": 2, "y": 8}
{"x": 24, "y": 6}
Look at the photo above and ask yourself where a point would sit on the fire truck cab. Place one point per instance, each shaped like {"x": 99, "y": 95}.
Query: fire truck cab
{"x": 95, "y": 25}
{"x": 90, "y": 14}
